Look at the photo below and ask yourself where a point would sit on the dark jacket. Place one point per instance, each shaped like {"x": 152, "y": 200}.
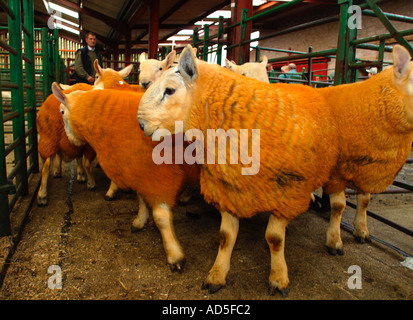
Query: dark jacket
{"x": 87, "y": 64}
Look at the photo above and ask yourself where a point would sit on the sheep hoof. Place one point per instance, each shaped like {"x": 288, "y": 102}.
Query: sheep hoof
{"x": 212, "y": 288}
{"x": 362, "y": 240}
{"x": 134, "y": 229}
{"x": 108, "y": 198}
{"x": 334, "y": 251}
{"x": 41, "y": 201}
{"x": 178, "y": 266}
{"x": 272, "y": 290}
{"x": 57, "y": 176}
{"x": 91, "y": 188}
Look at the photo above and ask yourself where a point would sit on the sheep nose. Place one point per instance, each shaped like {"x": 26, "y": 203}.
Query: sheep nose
{"x": 145, "y": 85}
{"x": 141, "y": 125}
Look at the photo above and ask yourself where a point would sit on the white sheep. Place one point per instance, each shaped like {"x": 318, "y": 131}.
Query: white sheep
{"x": 151, "y": 69}
{"x": 255, "y": 70}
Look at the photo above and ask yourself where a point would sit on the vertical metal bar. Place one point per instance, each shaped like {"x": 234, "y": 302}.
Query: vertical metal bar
{"x": 381, "y": 54}
{"x": 4, "y": 198}
{"x": 350, "y": 73}
{"x": 341, "y": 44}
{"x": 257, "y": 54}
{"x": 45, "y": 63}
{"x": 206, "y": 44}
{"x": 220, "y": 38}
{"x": 30, "y": 78}
{"x": 56, "y": 55}
{"x": 243, "y": 33}
{"x": 16, "y": 76}
{"x": 195, "y": 38}
{"x": 310, "y": 66}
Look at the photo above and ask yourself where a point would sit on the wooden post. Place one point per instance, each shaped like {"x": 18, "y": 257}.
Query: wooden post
{"x": 154, "y": 28}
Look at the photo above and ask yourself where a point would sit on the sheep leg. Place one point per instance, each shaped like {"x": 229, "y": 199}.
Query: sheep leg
{"x": 57, "y": 166}
{"x": 110, "y": 194}
{"x": 143, "y": 215}
{"x": 162, "y": 215}
{"x": 42, "y": 193}
{"x": 360, "y": 220}
{"x": 275, "y": 236}
{"x": 216, "y": 278}
{"x": 81, "y": 176}
{"x": 334, "y": 242}
{"x": 91, "y": 184}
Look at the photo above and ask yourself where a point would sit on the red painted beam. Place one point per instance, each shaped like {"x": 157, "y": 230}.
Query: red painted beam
{"x": 154, "y": 28}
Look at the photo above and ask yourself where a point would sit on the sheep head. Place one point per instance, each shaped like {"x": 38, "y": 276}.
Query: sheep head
{"x": 255, "y": 70}
{"x": 109, "y": 78}
{"x": 66, "y": 103}
{"x": 403, "y": 77}
{"x": 151, "y": 69}
{"x": 168, "y": 99}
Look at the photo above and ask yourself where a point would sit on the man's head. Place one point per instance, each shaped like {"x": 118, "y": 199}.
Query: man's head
{"x": 91, "y": 39}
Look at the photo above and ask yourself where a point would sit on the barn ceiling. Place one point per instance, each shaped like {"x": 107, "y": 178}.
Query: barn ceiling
{"x": 112, "y": 20}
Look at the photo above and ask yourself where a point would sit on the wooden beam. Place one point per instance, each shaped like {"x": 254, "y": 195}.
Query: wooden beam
{"x": 139, "y": 13}
{"x": 171, "y": 11}
{"x": 115, "y": 24}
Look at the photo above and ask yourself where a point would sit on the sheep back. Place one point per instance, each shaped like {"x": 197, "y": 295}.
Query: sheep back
{"x": 297, "y": 149}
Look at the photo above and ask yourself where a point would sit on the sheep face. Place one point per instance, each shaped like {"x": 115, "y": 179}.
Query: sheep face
{"x": 110, "y": 78}
{"x": 65, "y": 107}
{"x": 151, "y": 69}
{"x": 168, "y": 99}
{"x": 403, "y": 77}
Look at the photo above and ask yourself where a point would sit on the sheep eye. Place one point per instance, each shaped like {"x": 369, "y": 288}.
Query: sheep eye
{"x": 62, "y": 112}
{"x": 169, "y": 91}
{"x": 160, "y": 69}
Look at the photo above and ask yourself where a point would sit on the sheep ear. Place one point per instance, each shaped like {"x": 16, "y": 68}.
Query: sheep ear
{"x": 97, "y": 67}
{"x": 142, "y": 57}
{"x": 58, "y": 93}
{"x": 125, "y": 71}
{"x": 264, "y": 61}
{"x": 401, "y": 61}
{"x": 187, "y": 65}
{"x": 169, "y": 60}
{"x": 64, "y": 86}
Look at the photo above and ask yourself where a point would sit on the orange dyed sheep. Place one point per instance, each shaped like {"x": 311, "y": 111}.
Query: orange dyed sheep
{"x": 374, "y": 120}
{"x": 295, "y": 154}
{"x": 54, "y": 145}
{"x": 111, "y": 79}
{"x": 106, "y": 119}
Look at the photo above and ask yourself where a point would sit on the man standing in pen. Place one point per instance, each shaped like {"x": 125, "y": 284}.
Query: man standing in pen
{"x": 84, "y": 71}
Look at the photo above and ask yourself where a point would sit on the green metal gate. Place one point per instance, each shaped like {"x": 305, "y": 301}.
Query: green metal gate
{"x": 20, "y": 76}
